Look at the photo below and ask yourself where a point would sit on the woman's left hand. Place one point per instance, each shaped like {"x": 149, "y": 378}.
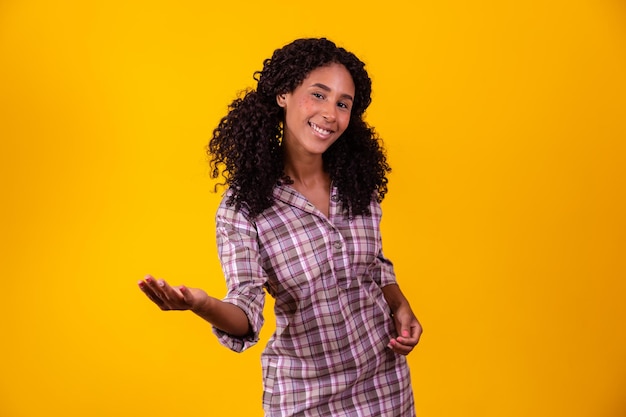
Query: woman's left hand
{"x": 408, "y": 328}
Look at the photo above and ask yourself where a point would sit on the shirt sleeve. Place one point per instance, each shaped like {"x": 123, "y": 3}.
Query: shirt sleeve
{"x": 245, "y": 278}
{"x": 387, "y": 273}
{"x": 383, "y": 268}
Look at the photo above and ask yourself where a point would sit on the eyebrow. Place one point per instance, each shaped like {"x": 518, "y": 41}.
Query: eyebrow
{"x": 327, "y": 88}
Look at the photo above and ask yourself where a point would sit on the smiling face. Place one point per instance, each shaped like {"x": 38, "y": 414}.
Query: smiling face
{"x": 317, "y": 112}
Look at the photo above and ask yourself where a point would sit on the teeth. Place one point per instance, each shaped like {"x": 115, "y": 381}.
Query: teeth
{"x": 320, "y": 130}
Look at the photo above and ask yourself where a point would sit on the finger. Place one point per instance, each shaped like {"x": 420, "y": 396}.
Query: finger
{"x": 160, "y": 289}
{"x": 399, "y": 348}
{"x": 187, "y": 295}
{"x": 406, "y": 341}
{"x": 146, "y": 289}
{"x": 173, "y": 295}
{"x": 416, "y": 332}
{"x": 411, "y": 336}
{"x": 164, "y": 288}
{"x": 156, "y": 288}
{"x": 152, "y": 283}
{"x": 408, "y": 338}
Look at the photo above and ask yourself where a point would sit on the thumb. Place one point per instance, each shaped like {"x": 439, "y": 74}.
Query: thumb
{"x": 405, "y": 331}
{"x": 187, "y": 295}
{"x": 404, "y": 328}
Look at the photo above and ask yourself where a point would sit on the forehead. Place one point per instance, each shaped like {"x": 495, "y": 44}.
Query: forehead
{"x": 334, "y": 76}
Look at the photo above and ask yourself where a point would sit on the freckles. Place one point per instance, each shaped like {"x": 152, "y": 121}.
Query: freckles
{"x": 304, "y": 103}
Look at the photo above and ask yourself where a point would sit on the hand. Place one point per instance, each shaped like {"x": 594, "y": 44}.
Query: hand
{"x": 167, "y": 297}
{"x": 408, "y": 328}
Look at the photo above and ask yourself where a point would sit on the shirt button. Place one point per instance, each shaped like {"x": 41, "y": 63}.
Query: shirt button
{"x": 334, "y": 198}
{"x": 338, "y": 244}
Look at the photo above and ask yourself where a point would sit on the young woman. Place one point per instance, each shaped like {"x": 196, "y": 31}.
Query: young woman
{"x": 300, "y": 220}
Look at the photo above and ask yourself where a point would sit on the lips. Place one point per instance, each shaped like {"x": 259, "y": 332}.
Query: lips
{"x": 320, "y": 130}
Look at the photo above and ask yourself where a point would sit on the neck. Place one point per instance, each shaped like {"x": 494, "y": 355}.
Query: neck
{"x": 307, "y": 173}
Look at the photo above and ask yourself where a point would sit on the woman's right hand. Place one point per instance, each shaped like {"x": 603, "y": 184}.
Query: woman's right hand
{"x": 167, "y": 297}
{"x": 225, "y": 316}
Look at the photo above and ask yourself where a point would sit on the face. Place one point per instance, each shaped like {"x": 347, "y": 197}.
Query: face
{"x": 317, "y": 112}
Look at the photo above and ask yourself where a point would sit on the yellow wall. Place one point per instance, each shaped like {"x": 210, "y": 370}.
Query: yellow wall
{"x": 505, "y": 126}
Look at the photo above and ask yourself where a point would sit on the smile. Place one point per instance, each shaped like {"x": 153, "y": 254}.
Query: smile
{"x": 320, "y": 130}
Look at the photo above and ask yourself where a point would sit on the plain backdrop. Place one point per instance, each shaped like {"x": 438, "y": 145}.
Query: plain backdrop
{"x": 505, "y": 127}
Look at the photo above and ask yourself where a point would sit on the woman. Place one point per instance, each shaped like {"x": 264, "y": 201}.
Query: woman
{"x": 300, "y": 220}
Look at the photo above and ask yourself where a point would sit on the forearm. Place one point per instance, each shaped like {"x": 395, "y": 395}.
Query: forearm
{"x": 394, "y": 297}
{"x": 225, "y": 316}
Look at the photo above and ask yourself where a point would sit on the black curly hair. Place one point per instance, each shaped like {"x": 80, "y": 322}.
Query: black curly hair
{"x": 246, "y": 145}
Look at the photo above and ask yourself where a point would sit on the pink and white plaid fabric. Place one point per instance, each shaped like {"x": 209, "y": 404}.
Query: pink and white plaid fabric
{"x": 328, "y": 355}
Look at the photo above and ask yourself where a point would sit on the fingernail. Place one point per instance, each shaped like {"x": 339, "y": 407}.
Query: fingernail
{"x": 161, "y": 283}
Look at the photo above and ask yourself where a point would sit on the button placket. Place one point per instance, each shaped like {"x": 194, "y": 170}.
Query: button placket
{"x": 340, "y": 261}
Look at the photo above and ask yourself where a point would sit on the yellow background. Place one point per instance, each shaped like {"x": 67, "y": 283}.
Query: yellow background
{"x": 505, "y": 126}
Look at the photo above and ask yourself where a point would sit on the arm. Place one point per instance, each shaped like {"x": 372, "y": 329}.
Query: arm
{"x": 407, "y": 326}
{"x": 225, "y": 316}
{"x": 237, "y": 319}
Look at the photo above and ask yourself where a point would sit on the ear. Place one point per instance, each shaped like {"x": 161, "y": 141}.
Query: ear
{"x": 281, "y": 99}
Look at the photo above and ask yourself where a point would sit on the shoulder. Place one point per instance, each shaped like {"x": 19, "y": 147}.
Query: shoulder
{"x": 227, "y": 212}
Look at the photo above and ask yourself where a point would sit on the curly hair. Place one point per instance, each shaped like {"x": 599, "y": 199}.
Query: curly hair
{"x": 246, "y": 144}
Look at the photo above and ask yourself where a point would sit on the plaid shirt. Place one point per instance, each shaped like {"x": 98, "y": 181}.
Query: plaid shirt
{"x": 328, "y": 355}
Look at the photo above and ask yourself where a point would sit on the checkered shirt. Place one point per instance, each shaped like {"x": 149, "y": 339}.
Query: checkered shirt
{"x": 328, "y": 355}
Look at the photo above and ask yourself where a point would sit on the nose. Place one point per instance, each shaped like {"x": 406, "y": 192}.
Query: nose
{"x": 329, "y": 112}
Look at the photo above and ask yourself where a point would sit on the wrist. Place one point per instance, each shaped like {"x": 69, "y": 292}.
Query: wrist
{"x": 203, "y": 304}
{"x": 394, "y": 297}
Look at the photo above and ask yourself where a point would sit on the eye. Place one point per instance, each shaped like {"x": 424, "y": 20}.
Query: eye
{"x": 318, "y": 95}
{"x": 343, "y": 105}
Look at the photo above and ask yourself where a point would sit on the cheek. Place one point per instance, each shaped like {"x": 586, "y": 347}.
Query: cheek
{"x": 345, "y": 121}
{"x": 305, "y": 105}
